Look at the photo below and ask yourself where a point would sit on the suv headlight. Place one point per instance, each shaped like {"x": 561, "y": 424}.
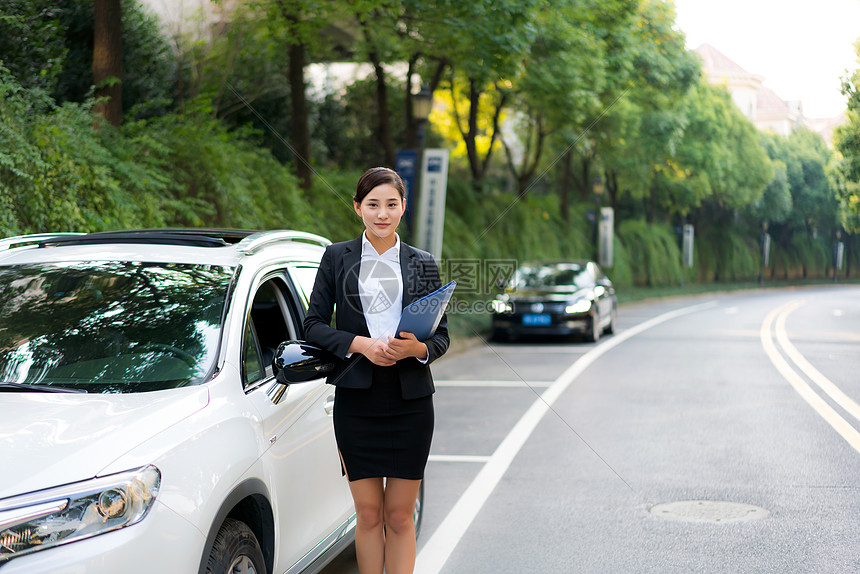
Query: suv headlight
{"x": 581, "y": 306}
{"x": 502, "y": 306}
{"x": 69, "y": 513}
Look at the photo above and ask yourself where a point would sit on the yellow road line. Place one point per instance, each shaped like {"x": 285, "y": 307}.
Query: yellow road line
{"x": 828, "y": 413}
{"x": 814, "y": 374}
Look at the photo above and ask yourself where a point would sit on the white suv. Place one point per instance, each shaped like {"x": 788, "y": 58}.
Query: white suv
{"x": 143, "y": 427}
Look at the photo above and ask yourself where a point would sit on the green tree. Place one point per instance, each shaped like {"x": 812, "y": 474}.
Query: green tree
{"x": 805, "y": 158}
{"x": 847, "y": 143}
{"x": 847, "y": 192}
{"x": 58, "y": 55}
{"x": 37, "y": 62}
{"x": 640, "y": 122}
{"x": 482, "y": 43}
{"x": 720, "y": 158}
{"x": 560, "y": 85}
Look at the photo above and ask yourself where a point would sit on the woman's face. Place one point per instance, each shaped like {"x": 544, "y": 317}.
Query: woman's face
{"x": 381, "y": 210}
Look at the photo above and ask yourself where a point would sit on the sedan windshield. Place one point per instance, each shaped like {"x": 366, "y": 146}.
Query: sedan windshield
{"x": 553, "y": 276}
{"x": 110, "y": 326}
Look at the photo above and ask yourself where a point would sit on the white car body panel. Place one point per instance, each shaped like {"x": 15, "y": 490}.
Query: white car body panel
{"x": 75, "y": 436}
{"x": 304, "y": 466}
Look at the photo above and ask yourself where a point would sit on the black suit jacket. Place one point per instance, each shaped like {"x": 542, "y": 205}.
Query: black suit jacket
{"x": 337, "y": 284}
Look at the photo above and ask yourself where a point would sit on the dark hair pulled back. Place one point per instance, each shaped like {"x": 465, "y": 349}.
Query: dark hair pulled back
{"x": 374, "y": 177}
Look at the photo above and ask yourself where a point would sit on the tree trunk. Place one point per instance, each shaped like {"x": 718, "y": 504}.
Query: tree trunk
{"x": 583, "y": 183}
{"x": 383, "y": 124}
{"x": 531, "y": 157}
{"x": 477, "y": 166}
{"x": 299, "y": 121}
{"x": 107, "y": 60}
{"x": 471, "y": 136}
{"x": 564, "y": 188}
{"x": 411, "y": 129}
{"x": 300, "y": 132}
{"x": 612, "y": 190}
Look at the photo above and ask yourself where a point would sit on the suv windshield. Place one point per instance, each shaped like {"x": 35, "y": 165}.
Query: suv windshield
{"x": 549, "y": 276}
{"x": 110, "y": 326}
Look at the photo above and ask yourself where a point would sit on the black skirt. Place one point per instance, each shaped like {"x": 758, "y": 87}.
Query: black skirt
{"x": 379, "y": 434}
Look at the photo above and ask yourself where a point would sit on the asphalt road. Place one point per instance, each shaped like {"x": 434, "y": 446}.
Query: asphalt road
{"x": 710, "y": 434}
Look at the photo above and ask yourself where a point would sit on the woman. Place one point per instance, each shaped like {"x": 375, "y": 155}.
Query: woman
{"x": 383, "y": 410}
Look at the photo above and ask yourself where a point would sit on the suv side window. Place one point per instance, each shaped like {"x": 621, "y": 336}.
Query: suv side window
{"x": 252, "y": 362}
{"x": 271, "y": 320}
{"x": 304, "y": 275}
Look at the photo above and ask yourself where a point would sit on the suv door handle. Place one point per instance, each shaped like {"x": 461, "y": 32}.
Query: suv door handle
{"x": 329, "y": 404}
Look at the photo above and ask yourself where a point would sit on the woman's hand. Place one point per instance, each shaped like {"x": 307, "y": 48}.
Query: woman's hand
{"x": 407, "y": 346}
{"x": 376, "y": 350}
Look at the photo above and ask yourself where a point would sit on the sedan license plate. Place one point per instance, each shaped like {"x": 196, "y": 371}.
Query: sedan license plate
{"x": 536, "y": 320}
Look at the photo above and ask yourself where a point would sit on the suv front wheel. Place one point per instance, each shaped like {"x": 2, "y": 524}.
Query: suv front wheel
{"x": 235, "y": 550}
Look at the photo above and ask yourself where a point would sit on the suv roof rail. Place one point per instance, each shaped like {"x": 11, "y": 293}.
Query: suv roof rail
{"x": 10, "y": 242}
{"x": 253, "y": 243}
{"x": 142, "y": 236}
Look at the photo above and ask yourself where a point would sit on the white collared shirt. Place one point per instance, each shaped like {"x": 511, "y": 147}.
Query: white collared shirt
{"x": 380, "y": 288}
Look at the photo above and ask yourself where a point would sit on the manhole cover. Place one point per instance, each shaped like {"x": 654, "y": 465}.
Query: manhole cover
{"x": 708, "y": 511}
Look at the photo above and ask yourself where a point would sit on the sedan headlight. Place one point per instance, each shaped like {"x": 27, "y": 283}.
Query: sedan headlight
{"x": 581, "y": 306}
{"x": 500, "y": 306}
{"x": 66, "y": 514}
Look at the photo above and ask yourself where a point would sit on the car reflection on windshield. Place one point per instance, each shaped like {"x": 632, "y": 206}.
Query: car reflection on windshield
{"x": 110, "y": 326}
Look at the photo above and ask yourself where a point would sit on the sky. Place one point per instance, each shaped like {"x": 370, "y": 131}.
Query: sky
{"x": 802, "y": 48}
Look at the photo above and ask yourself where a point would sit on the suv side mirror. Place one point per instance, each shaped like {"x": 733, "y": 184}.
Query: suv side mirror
{"x": 298, "y": 361}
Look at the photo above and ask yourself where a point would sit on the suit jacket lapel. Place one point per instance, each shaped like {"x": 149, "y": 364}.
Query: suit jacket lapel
{"x": 351, "y": 268}
{"x": 409, "y": 272}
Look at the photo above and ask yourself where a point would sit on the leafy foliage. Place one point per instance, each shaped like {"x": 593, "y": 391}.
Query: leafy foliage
{"x": 846, "y": 173}
{"x": 37, "y": 61}
{"x": 58, "y": 52}
{"x": 172, "y": 170}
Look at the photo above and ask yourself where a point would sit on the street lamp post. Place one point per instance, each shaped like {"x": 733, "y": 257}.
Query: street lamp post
{"x": 597, "y": 189}
{"x": 422, "y": 103}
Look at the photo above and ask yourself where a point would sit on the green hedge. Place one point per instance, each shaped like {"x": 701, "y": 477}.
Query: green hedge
{"x": 652, "y": 252}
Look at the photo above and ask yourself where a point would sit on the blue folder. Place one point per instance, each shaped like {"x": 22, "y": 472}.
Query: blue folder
{"x": 421, "y": 317}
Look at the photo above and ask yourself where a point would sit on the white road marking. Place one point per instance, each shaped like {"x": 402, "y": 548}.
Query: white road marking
{"x": 472, "y": 383}
{"x": 458, "y": 458}
{"x": 439, "y": 547}
{"x": 828, "y": 413}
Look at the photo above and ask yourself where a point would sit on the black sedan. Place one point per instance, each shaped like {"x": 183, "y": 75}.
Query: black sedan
{"x": 556, "y": 298}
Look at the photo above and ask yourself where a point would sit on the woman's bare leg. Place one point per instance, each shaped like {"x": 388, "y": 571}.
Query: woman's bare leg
{"x": 398, "y": 511}
{"x": 368, "y": 495}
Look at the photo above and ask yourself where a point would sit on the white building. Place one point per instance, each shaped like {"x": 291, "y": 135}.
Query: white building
{"x": 760, "y": 104}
